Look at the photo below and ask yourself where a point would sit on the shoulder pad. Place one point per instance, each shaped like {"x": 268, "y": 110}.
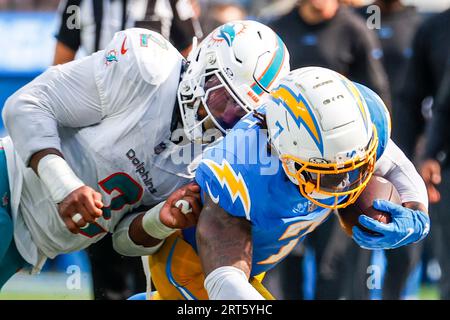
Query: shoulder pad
{"x": 147, "y": 52}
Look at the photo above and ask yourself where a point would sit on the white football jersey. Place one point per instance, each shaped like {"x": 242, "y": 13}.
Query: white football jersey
{"x": 110, "y": 115}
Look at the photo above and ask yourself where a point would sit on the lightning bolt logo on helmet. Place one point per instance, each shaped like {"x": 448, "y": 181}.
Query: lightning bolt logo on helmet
{"x": 233, "y": 182}
{"x": 300, "y": 111}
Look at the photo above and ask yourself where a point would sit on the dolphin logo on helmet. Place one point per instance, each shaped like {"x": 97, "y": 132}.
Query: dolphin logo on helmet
{"x": 228, "y": 75}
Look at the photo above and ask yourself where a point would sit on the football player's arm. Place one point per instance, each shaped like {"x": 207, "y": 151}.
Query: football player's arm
{"x": 399, "y": 170}
{"x": 409, "y": 222}
{"x": 224, "y": 245}
{"x": 143, "y": 233}
{"x": 64, "y": 96}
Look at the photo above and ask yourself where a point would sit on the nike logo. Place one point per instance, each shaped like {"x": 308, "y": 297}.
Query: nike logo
{"x": 214, "y": 199}
{"x": 410, "y": 232}
{"x": 123, "y": 50}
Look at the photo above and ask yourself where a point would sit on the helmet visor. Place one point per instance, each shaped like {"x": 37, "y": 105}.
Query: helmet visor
{"x": 225, "y": 108}
{"x": 339, "y": 182}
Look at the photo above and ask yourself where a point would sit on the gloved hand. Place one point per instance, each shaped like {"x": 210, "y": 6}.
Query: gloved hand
{"x": 406, "y": 226}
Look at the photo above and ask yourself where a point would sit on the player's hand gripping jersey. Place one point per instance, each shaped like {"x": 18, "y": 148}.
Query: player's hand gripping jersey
{"x": 110, "y": 115}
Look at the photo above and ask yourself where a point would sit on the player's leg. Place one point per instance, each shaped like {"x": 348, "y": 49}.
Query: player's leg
{"x": 177, "y": 273}
{"x": 10, "y": 259}
{"x": 6, "y": 231}
{"x": 11, "y": 263}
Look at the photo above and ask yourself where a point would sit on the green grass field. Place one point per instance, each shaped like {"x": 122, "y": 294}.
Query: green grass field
{"x": 53, "y": 286}
{"x": 46, "y": 286}
{"x": 429, "y": 293}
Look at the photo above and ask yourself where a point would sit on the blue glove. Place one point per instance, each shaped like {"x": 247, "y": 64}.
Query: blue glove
{"x": 406, "y": 226}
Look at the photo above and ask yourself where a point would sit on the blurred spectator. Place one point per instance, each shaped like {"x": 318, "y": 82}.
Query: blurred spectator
{"x": 29, "y": 5}
{"x": 270, "y": 9}
{"x": 220, "y": 12}
{"x": 115, "y": 276}
{"x": 398, "y": 24}
{"x": 353, "y": 3}
{"x": 324, "y": 33}
{"x": 435, "y": 172}
{"x": 425, "y": 74}
{"x": 89, "y": 24}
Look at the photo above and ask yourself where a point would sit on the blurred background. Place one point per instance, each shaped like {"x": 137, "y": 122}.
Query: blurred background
{"x": 401, "y": 49}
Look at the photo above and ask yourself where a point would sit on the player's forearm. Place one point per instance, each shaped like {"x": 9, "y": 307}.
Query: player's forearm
{"x": 147, "y": 229}
{"x": 399, "y": 170}
{"x": 55, "y": 173}
{"x": 139, "y": 245}
{"x": 139, "y": 236}
{"x": 63, "y": 54}
{"x": 416, "y": 206}
{"x": 36, "y": 157}
{"x": 142, "y": 234}
{"x": 179, "y": 211}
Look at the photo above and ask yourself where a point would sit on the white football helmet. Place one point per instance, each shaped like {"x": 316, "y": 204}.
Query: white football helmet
{"x": 320, "y": 127}
{"x": 229, "y": 73}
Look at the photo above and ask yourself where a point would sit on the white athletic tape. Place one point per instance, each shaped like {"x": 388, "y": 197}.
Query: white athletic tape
{"x": 152, "y": 224}
{"x": 184, "y": 206}
{"x": 77, "y": 217}
{"x": 58, "y": 177}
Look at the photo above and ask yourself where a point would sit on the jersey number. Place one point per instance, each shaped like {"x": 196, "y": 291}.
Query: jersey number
{"x": 293, "y": 231}
{"x": 129, "y": 192}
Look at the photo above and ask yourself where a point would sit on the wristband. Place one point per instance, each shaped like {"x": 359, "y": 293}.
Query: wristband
{"x": 152, "y": 225}
{"x": 58, "y": 177}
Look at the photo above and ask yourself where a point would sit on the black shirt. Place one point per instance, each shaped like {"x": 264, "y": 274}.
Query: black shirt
{"x": 181, "y": 31}
{"x": 438, "y": 132}
{"x": 424, "y": 74}
{"x": 396, "y": 34}
{"x": 343, "y": 44}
